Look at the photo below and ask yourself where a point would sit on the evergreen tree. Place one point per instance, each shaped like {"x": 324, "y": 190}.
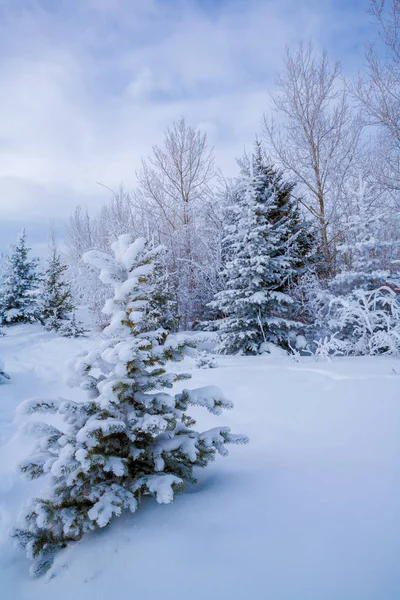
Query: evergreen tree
{"x": 269, "y": 246}
{"x": 129, "y": 437}
{"x": 55, "y": 300}
{"x": 20, "y": 280}
{"x": 71, "y": 328}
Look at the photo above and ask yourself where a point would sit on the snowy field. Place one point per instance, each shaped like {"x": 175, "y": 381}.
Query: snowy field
{"x": 309, "y": 510}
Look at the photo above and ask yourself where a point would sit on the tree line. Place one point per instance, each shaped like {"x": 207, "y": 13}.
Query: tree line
{"x": 263, "y": 257}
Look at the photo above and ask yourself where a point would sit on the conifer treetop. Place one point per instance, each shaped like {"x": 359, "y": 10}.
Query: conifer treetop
{"x": 56, "y": 307}
{"x": 268, "y": 247}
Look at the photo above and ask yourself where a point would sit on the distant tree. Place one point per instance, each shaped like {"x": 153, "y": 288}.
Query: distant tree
{"x": 162, "y": 308}
{"x": 377, "y": 89}
{"x": 173, "y": 201}
{"x": 269, "y": 245}
{"x": 19, "y": 286}
{"x": 362, "y": 253}
{"x": 358, "y": 310}
{"x": 83, "y": 234}
{"x": 71, "y": 328}
{"x": 316, "y": 138}
{"x": 55, "y": 303}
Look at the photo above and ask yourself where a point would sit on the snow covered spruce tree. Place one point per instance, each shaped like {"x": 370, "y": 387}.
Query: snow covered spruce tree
{"x": 19, "y": 285}
{"x": 268, "y": 248}
{"x": 57, "y": 311}
{"x": 129, "y": 437}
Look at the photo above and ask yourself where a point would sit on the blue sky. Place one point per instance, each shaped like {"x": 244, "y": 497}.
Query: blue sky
{"x": 87, "y": 86}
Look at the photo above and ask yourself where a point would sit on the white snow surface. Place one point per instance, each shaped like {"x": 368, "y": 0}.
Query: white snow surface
{"x": 308, "y": 510}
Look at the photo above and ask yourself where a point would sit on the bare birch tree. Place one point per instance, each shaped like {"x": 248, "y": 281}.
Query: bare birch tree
{"x": 115, "y": 218}
{"x": 378, "y": 91}
{"x": 315, "y": 136}
{"x": 175, "y": 188}
{"x": 80, "y": 234}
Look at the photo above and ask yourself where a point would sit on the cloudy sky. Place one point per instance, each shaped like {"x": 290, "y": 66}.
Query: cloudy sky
{"x": 87, "y": 86}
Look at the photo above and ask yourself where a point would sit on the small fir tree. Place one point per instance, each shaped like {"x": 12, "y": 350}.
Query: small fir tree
{"x": 71, "y": 328}
{"x": 19, "y": 285}
{"x": 56, "y": 307}
{"x": 269, "y": 246}
{"x": 129, "y": 437}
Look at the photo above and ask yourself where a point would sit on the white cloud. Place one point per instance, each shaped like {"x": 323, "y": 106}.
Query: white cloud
{"x": 88, "y": 86}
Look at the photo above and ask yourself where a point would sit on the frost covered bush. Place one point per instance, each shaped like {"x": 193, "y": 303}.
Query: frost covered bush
{"x": 357, "y": 313}
{"x": 3, "y": 374}
{"x": 71, "y": 328}
{"x": 87, "y": 290}
{"x": 367, "y": 322}
{"x": 361, "y": 323}
{"x": 205, "y": 360}
{"x": 130, "y": 437}
{"x": 329, "y": 346}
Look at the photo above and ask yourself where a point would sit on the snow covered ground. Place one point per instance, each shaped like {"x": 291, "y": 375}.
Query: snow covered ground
{"x": 309, "y": 510}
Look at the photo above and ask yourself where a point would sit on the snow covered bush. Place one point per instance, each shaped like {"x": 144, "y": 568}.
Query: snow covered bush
{"x": 87, "y": 290}
{"x": 3, "y": 374}
{"x": 205, "y": 360}
{"x": 19, "y": 284}
{"x": 130, "y": 437}
{"x": 358, "y": 308}
{"x": 329, "y": 346}
{"x": 367, "y": 322}
{"x": 268, "y": 247}
{"x": 71, "y": 328}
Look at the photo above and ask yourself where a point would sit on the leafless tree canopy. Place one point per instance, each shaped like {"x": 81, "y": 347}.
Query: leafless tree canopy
{"x": 175, "y": 180}
{"x": 173, "y": 198}
{"x": 329, "y": 136}
{"x": 377, "y": 89}
{"x": 315, "y": 134}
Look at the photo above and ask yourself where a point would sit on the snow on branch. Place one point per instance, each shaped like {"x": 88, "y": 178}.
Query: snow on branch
{"x": 210, "y": 397}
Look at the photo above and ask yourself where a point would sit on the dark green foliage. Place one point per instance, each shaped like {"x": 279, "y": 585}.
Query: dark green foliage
{"x": 269, "y": 248}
